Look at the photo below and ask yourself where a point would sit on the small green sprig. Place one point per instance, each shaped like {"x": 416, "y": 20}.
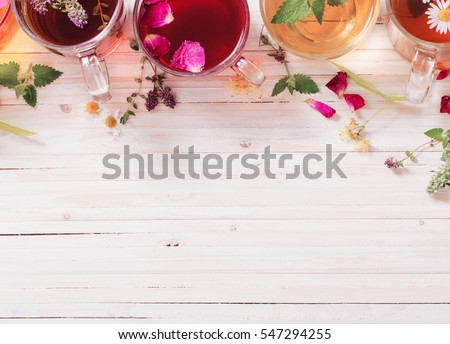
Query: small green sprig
{"x": 98, "y": 11}
{"x": 132, "y": 99}
{"x": 292, "y": 82}
{"x": 25, "y": 85}
{"x": 292, "y": 11}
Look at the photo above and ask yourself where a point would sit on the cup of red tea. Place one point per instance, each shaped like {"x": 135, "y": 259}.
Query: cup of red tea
{"x": 420, "y": 32}
{"x": 85, "y": 29}
{"x": 195, "y": 37}
{"x": 8, "y": 24}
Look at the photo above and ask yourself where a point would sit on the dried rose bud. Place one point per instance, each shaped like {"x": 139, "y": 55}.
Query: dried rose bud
{"x": 443, "y": 74}
{"x": 445, "y": 104}
{"x": 338, "y": 84}
{"x": 156, "y": 45}
{"x": 157, "y": 15}
{"x": 324, "y": 109}
{"x": 190, "y": 56}
{"x": 354, "y": 101}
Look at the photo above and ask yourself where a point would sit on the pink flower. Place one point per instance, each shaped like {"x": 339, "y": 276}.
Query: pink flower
{"x": 354, "y": 101}
{"x": 324, "y": 109}
{"x": 156, "y": 45}
{"x": 445, "y": 104}
{"x": 2, "y": 3}
{"x": 190, "y": 56}
{"x": 338, "y": 84}
{"x": 157, "y": 14}
{"x": 443, "y": 74}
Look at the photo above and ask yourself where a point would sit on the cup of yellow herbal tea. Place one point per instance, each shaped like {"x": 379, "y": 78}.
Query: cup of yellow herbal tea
{"x": 319, "y": 29}
{"x": 85, "y": 29}
{"x": 190, "y": 38}
{"x": 8, "y": 24}
{"x": 420, "y": 32}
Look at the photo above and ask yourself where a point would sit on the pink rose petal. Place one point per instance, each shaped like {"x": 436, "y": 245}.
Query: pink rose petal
{"x": 324, "y": 109}
{"x": 338, "y": 84}
{"x": 354, "y": 101}
{"x": 445, "y": 104}
{"x": 157, "y": 15}
{"x": 156, "y": 45}
{"x": 2, "y": 3}
{"x": 190, "y": 56}
{"x": 151, "y": 2}
{"x": 443, "y": 74}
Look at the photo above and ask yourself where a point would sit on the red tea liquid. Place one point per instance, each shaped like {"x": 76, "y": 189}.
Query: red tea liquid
{"x": 55, "y": 27}
{"x": 218, "y": 25}
{"x": 411, "y": 15}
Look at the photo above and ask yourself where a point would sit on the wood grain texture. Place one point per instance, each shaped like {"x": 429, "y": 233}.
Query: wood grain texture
{"x": 373, "y": 248}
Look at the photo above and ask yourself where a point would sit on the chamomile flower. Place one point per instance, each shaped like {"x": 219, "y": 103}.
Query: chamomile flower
{"x": 111, "y": 122}
{"x": 439, "y": 16}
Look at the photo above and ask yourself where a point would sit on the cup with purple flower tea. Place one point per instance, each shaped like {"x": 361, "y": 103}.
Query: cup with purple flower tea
{"x": 195, "y": 37}
{"x": 86, "y": 29}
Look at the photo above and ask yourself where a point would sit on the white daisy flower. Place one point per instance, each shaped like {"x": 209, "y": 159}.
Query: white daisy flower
{"x": 426, "y": 1}
{"x": 439, "y": 16}
{"x": 111, "y": 121}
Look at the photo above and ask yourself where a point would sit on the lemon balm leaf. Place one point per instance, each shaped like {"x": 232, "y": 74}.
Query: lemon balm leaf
{"x": 292, "y": 11}
{"x": 8, "y": 74}
{"x": 44, "y": 75}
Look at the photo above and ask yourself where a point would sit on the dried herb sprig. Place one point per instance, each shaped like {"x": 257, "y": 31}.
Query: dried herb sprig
{"x": 292, "y": 82}
{"x": 98, "y": 11}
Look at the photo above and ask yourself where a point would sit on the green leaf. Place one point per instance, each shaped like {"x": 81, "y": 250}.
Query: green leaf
{"x": 126, "y": 116}
{"x": 15, "y": 130}
{"x": 367, "y": 85}
{"x": 20, "y": 90}
{"x": 292, "y": 11}
{"x": 436, "y": 134}
{"x": 30, "y": 95}
{"x": 334, "y": 3}
{"x": 280, "y": 86}
{"x": 318, "y": 8}
{"x": 411, "y": 156}
{"x": 44, "y": 75}
{"x": 8, "y": 74}
{"x": 305, "y": 85}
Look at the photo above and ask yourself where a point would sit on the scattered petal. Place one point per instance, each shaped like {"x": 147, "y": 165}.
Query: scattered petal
{"x": 156, "y": 45}
{"x": 190, "y": 56}
{"x": 354, "y": 101}
{"x": 157, "y": 15}
{"x": 445, "y": 104}
{"x": 338, "y": 84}
{"x": 324, "y": 109}
{"x": 443, "y": 74}
{"x": 363, "y": 146}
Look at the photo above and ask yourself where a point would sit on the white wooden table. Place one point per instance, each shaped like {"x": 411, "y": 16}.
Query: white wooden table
{"x": 73, "y": 247}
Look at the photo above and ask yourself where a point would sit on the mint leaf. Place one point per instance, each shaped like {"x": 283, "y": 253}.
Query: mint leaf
{"x": 318, "y": 8}
{"x": 20, "y": 90}
{"x": 44, "y": 75}
{"x": 292, "y": 11}
{"x": 436, "y": 134}
{"x": 305, "y": 85}
{"x": 334, "y": 3}
{"x": 30, "y": 95}
{"x": 280, "y": 86}
{"x": 8, "y": 74}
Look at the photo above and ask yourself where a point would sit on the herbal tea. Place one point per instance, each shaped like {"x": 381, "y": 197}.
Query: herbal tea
{"x": 217, "y": 26}
{"x": 68, "y": 28}
{"x": 341, "y": 28}
{"x": 427, "y": 21}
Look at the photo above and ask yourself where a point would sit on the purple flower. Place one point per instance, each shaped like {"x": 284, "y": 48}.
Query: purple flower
{"x": 77, "y": 14}
{"x": 39, "y": 6}
{"x": 190, "y": 56}
{"x": 393, "y": 163}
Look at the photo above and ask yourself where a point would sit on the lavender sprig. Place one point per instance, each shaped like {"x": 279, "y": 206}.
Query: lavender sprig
{"x": 75, "y": 11}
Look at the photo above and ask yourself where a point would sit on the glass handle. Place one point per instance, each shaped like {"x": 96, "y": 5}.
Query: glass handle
{"x": 421, "y": 75}
{"x": 97, "y": 77}
{"x": 249, "y": 71}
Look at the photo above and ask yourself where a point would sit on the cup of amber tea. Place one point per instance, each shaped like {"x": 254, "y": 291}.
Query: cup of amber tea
{"x": 420, "y": 32}
{"x": 8, "y": 24}
{"x": 195, "y": 37}
{"x": 85, "y": 29}
{"x": 318, "y": 30}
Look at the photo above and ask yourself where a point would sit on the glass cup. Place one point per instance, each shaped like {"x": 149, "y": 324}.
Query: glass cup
{"x": 343, "y": 28}
{"x": 91, "y": 53}
{"x": 412, "y": 37}
{"x": 8, "y": 25}
{"x": 234, "y": 59}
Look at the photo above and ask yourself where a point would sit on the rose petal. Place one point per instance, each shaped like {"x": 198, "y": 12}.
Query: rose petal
{"x": 157, "y": 15}
{"x": 324, "y": 109}
{"x": 190, "y": 56}
{"x": 445, "y": 104}
{"x": 156, "y": 45}
{"x": 338, "y": 84}
{"x": 2, "y": 3}
{"x": 354, "y": 101}
{"x": 443, "y": 74}
{"x": 151, "y": 2}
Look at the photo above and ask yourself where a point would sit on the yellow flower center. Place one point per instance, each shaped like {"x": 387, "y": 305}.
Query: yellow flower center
{"x": 92, "y": 108}
{"x": 110, "y": 122}
{"x": 444, "y": 15}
